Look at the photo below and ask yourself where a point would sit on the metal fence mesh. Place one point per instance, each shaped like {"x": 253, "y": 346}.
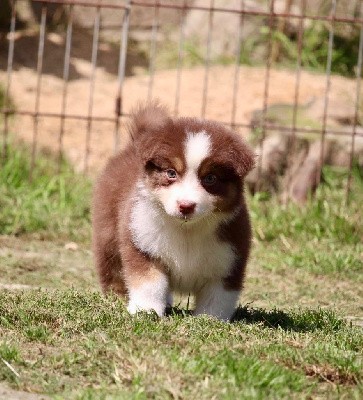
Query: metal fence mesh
{"x": 101, "y": 129}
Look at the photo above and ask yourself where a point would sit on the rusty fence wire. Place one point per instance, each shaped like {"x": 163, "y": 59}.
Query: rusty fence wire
{"x": 109, "y": 124}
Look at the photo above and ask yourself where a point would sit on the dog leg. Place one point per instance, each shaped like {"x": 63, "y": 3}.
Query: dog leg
{"x": 147, "y": 293}
{"x": 217, "y": 301}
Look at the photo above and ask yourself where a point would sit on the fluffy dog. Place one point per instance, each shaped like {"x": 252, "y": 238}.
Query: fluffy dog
{"x": 169, "y": 214}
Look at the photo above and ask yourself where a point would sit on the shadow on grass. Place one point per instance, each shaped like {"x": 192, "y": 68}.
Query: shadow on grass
{"x": 177, "y": 311}
{"x": 302, "y": 320}
{"x": 307, "y": 320}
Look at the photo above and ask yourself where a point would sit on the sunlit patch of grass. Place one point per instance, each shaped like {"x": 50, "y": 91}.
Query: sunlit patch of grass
{"x": 51, "y": 204}
{"x": 324, "y": 217}
{"x": 92, "y": 340}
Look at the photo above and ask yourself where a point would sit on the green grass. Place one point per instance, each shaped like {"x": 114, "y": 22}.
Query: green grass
{"x": 52, "y": 205}
{"x": 294, "y": 335}
{"x": 315, "y": 48}
{"x": 63, "y": 341}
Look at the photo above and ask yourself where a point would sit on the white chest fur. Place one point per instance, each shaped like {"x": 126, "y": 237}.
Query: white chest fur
{"x": 192, "y": 251}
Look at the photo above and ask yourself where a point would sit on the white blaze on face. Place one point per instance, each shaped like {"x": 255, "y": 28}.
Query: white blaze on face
{"x": 197, "y": 147}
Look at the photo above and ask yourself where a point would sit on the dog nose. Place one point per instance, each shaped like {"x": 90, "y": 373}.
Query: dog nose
{"x": 186, "y": 207}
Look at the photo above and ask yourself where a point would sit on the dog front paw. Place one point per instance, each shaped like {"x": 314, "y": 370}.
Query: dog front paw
{"x": 134, "y": 308}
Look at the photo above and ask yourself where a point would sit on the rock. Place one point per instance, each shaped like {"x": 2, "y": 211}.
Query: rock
{"x": 141, "y": 19}
{"x": 341, "y": 153}
{"x": 273, "y": 156}
{"x": 293, "y": 171}
{"x": 71, "y": 246}
{"x": 340, "y": 110}
{"x": 345, "y": 8}
{"x": 305, "y": 180}
{"x": 226, "y": 25}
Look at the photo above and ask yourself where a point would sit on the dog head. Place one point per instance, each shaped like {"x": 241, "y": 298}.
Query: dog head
{"x": 192, "y": 168}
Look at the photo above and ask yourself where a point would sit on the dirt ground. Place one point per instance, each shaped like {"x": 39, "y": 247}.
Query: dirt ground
{"x": 219, "y": 102}
{"x": 9, "y": 394}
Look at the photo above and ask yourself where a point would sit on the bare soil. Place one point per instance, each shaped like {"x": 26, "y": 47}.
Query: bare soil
{"x": 9, "y": 394}
{"x": 219, "y": 102}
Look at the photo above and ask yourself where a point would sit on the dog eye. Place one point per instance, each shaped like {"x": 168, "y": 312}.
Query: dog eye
{"x": 209, "y": 180}
{"x": 171, "y": 174}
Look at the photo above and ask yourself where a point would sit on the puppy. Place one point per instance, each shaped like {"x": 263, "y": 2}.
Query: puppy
{"x": 169, "y": 214}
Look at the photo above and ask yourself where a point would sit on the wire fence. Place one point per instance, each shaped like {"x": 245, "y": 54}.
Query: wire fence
{"x": 94, "y": 128}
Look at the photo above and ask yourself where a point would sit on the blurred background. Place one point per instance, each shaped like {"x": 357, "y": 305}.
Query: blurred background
{"x": 285, "y": 74}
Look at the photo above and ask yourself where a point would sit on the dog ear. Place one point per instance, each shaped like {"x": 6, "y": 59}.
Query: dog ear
{"x": 231, "y": 150}
{"x": 244, "y": 158}
{"x": 148, "y": 118}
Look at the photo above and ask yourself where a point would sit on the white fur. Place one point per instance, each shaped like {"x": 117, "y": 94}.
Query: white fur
{"x": 188, "y": 189}
{"x": 215, "y": 300}
{"x": 169, "y": 300}
{"x": 191, "y": 250}
{"x": 149, "y": 296}
{"x": 197, "y": 148}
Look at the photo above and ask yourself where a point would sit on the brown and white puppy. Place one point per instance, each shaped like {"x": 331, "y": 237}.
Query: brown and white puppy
{"x": 169, "y": 214}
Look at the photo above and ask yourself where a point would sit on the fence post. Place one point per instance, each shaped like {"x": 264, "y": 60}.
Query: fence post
{"x": 121, "y": 73}
{"x": 7, "y": 103}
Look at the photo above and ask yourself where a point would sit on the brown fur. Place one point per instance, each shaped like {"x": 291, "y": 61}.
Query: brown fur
{"x": 158, "y": 145}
